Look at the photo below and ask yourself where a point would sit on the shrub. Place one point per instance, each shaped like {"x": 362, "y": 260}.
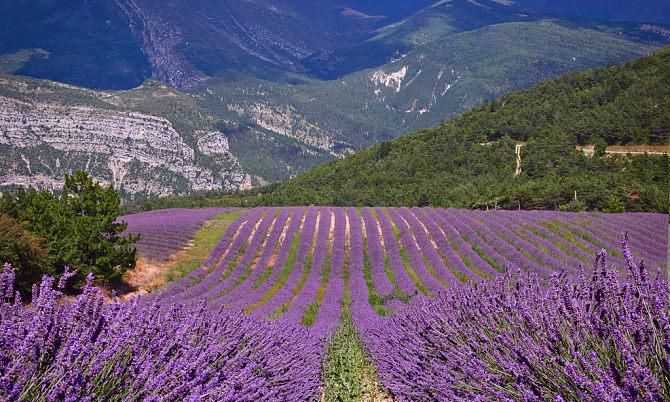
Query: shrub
{"x": 25, "y": 251}
{"x": 80, "y": 227}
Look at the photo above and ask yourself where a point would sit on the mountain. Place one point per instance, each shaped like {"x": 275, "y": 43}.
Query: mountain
{"x": 470, "y": 161}
{"x": 657, "y": 11}
{"x": 147, "y": 141}
{"x": 430, "y": 84}
{"x": 226, "y": 95}
{"x": 118, "y": 44}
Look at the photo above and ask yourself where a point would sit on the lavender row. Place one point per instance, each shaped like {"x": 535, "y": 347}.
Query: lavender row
{"x": 600, "y": 337}
{"x": 284, "y": 296}
{"x": 414, "y": 254}
{"x": 245, "y": 258}
{"x": 164, "y": 232}
{"x": 441, "y": 247}
{"x": 483, "y": 268}
{"x": 403, "y": 280}
{"x": 89, "y": 350}
{"x": 360, "y": 308}
{"x": 246, "y": 289}
{"x": 226, "y": 257}
{"x": 307, "y": 295}
{"x": 197, "y": 275}
{"x": 255, "y": 297}
{"x": 380, "y": 280}
{"x": 442, "y": 238}
{"x": 500, "y": 244}
{"x": 328, "y": 315}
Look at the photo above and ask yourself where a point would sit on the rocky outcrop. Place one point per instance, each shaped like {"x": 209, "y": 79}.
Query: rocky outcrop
{"x": 135, "y": 152}
{"x": 285, "y": 120}
{"x": 390, "y": 80}
{"x": 214, "y": 143}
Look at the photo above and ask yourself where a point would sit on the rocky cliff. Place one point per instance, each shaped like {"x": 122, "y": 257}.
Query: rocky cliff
{"x": 135, "y": 152}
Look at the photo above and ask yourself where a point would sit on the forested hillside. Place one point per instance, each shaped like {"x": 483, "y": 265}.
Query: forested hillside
{"x": 470, "y": 161}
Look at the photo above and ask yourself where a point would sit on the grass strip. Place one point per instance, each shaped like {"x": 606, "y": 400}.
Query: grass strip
{"x": 204, "y": 242}
{"x": 348, "y": 373}
{"x": 407, "y": 265}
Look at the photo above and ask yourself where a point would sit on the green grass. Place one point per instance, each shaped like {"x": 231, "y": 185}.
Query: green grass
{"x": 204, "y": 242}
{"x": 348, "y": 373}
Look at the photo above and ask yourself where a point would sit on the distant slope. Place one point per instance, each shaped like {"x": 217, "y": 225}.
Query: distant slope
{"x": 470, "y": 161}
{"x": 451, "y": 73}
{"x": 117, "y": 44}
{"x": 615, "y": 10}
{"x": 240, "y": 131}
{"x": 247, "y": 119}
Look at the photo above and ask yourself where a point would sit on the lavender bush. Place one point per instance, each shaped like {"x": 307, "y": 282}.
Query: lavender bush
{"x": 87, "y": 350}
{"x": 602, "y": 336}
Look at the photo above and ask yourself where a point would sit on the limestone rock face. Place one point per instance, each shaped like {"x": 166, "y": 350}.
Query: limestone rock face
{"x": 135, "y": 152}
{"x": 286, "y": 121}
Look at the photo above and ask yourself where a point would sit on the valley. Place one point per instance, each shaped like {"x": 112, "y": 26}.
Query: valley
{"x": 267, "y": 128}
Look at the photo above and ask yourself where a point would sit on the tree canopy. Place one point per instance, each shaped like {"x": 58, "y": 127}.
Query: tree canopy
{"x": 78, "y": 226}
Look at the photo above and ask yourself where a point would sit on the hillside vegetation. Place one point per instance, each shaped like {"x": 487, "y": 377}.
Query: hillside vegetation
{"x": 470, "y": 161}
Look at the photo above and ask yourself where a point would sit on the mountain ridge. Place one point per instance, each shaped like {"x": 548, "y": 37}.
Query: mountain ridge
{"x": 470, "y": 161}
{"x": 117, "y": 44}
{"x": 272, "y": 124}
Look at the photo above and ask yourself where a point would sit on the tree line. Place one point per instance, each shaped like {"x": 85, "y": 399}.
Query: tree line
{"x": 45, "y": 233}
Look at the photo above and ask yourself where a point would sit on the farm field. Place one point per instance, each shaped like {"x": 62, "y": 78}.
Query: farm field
{"x": 423, "y": 291}
{"x": 288, "y": 263}
{"x": 164, "y": 232}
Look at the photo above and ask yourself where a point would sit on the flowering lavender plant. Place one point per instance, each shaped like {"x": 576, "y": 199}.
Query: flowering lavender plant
{"x": 604, "y": 336}
{"x": 89, "y": 350}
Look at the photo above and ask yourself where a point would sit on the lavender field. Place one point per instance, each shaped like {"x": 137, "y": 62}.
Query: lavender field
{"x": 164, "y": 232}
{"x": 446, "y": 305}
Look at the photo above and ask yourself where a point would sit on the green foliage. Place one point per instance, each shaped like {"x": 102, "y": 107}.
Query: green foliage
{"x": 79, "y": 226}
{"x": 348, "y": 373}
{"x": 346, "y": 360}
{"x": 25, "y": 251}
{"x": 470, "y": 161}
